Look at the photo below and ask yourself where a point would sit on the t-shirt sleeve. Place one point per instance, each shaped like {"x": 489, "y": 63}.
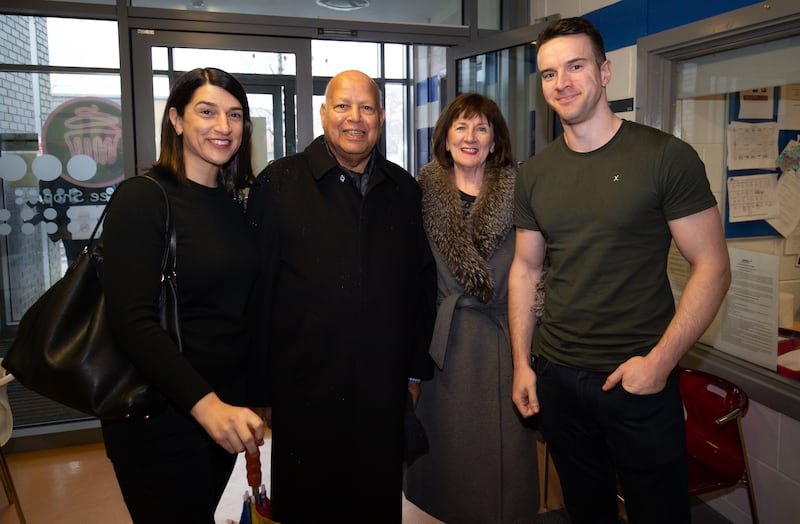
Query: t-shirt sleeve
{"x": 523, "y": 191}
{"x": 686, "y": 187}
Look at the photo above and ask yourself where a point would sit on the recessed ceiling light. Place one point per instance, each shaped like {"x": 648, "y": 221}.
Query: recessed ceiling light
{"x": 343, "y": 5}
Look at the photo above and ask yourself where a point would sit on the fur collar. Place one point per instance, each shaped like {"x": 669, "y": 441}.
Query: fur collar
{"x": 467, "y": 245}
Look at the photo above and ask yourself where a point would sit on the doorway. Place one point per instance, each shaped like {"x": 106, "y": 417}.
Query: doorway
{"x": 275, "y": 72}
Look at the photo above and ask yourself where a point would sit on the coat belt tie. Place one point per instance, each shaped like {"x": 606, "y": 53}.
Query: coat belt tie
{"x": 444, "y": 319}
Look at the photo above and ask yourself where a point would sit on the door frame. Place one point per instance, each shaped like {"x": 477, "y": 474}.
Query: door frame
{"x": 281, "y": 91}
{"x": 142, "y": 42}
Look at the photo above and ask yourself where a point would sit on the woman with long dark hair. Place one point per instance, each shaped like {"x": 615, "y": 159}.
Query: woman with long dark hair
{"x": 174, "y": 466}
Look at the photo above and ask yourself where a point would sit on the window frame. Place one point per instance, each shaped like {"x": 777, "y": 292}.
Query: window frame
{"x": 657, "y": 56}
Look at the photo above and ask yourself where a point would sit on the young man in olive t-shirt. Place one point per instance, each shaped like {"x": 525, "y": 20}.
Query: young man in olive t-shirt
{"x": 602, "y": 203}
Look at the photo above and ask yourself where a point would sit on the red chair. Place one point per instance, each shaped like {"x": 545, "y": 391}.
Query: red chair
{"x": 717, "y": 454}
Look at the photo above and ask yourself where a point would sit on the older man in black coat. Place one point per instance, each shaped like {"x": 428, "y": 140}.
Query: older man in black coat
{"x": 349, "y": 286}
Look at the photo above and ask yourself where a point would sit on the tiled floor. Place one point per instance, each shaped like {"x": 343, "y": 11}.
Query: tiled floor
{"x": 76, "y": 485}
{"x": 69, "y": 485}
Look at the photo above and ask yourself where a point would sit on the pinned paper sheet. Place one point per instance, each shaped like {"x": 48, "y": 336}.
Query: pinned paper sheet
{"x": 788, "y": 218}
{"x": 753, "y": 197}
{"x": 756, "y": 103}
{"x": 752, "y": 146}
{"x": 749, "y": 328}
{"x": 788, "y": 188}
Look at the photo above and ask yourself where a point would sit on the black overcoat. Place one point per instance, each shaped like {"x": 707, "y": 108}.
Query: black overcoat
{"x": 349, "y": 284}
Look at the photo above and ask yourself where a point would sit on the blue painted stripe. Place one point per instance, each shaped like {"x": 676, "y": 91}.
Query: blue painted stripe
{"x": 427, "y": 90}
{"x": 624, "y": 22}
{"x": 423, "y": 147}
{"x": 422, "y": 92}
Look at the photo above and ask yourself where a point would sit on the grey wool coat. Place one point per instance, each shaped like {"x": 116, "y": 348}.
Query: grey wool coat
{"x": 482, "y": 464}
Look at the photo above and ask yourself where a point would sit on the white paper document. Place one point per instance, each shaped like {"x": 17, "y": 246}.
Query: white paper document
{"x": 752, "y": 146}
{"x": 753, "y": 197}
{"x": 788, "y": 217}
{"x": 756, "y": 103}
{"x": 679, "y": 270}
{"x": 789, "y": 107}
{"x": 792, "y": 244}
{"x": 749, "y": 328}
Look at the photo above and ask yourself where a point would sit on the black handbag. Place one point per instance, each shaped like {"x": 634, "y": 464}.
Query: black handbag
{"x": 64, "y": 351}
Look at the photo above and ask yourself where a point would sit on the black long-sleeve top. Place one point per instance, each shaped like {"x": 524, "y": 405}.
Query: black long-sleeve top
{"x": 216, "y": 268}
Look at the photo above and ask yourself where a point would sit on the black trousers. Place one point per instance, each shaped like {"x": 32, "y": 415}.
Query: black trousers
{"x": 169, "y": 470}
{"x": 597, "y": 438}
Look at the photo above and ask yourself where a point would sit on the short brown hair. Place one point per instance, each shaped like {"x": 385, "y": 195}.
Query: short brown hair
{"x": 470, "y": 105}
{"x": 575, "y": 26}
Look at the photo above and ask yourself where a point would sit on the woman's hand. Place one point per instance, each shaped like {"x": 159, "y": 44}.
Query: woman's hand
{"x": 234, "y": 428}
{"x": 265, "y": 413}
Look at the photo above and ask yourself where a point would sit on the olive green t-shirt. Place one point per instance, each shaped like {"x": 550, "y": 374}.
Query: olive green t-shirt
{"x": 604, "y": 217}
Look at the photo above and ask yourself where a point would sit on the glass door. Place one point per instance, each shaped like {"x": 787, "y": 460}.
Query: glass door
{"x": 275, "y": 73}
{"x": 503, "y": 67}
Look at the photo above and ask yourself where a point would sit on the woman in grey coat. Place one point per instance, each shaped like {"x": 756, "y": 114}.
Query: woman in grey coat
{"x": 482, "y": 464}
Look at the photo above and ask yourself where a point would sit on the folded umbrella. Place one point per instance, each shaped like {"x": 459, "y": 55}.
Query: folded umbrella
{"x": 256, "y": 508}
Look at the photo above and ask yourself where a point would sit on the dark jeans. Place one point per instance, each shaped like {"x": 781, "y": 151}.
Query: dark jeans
{"x": 597, "y": 438}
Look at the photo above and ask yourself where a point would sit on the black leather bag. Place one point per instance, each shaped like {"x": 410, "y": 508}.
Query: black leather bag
{"x": 64, "y": 350}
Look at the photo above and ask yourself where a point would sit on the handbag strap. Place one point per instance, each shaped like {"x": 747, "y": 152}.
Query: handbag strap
{"x": 168, "y": 259}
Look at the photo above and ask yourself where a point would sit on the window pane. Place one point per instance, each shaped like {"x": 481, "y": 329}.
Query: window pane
{"x": 70, "y": 85}
{"x": 160, "y": 58}
{"x": 317, "y": 102}
{"x": 268, "y": 137}
{"x": 489, "y": 14}
{"x": 446, "y": 12}
{"x": 329, "y": 58}
{"x": 738, "y": 109}
{"x": 508, "y": 77}
{"x": 82, "y": 43}
{"x": 61, "y": 155}
{"x": 396, "y": 107}
{"x": 241, "y": 62}
{"x": 62, "y": 42}
{"x": 394, "y": 56}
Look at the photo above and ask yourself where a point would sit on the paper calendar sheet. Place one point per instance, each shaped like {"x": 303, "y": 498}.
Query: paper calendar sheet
{"x": 753, "y": 197}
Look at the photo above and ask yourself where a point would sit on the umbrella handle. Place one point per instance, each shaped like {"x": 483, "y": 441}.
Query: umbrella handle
{"x": 253, "y": 462}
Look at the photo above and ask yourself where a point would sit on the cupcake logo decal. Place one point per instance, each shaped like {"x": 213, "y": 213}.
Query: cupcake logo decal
{"x": 85, "y": 134}
{"x": 94, "y": 133}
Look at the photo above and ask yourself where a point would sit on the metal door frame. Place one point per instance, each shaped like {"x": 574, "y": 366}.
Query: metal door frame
{"x": 143, "y": 40}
